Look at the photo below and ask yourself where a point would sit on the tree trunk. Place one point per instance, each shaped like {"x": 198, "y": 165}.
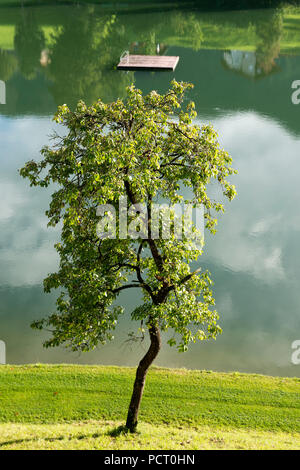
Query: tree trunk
{"x": 139, "y": 384}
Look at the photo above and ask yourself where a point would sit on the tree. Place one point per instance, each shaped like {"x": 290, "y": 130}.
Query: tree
{"x": 140, "y": 149}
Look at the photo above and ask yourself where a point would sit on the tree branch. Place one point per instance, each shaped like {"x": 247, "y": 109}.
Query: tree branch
{"x": 189, "y": 276}
{"x": 128, "y": 286}
{"x": 183, "y": 281}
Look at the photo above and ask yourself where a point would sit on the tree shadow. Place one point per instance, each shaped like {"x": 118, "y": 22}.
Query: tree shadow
{"x": 51, "y": 439}
{"x": 118, "y": 431}
{"x": 33, "y": 439}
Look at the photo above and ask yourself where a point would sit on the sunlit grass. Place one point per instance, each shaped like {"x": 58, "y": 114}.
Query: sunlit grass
{"x": 98, "y": 435}
{"x": 64, "y": 407}
{"x": 56, "y": 394}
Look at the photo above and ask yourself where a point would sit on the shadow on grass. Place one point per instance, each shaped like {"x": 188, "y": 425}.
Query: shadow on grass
{"x": 114, "y": 433}
{"x": 119, "y": 431}
{"x": 51, "y": 439}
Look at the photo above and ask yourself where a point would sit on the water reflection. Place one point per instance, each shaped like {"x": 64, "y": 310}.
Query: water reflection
{"x": 261, "y": 61}
{"x": 29, "y": 41}
{"x": 50, "y": 56}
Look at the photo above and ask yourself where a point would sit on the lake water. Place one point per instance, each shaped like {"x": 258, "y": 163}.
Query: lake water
{"x": 242, "y": 65}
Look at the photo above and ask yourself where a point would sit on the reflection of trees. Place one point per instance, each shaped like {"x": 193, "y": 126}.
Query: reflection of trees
{"x": 147, "y": 35}
{"x": 188, "y": 25}
{"x": 84, "y": 50}
{"x": 147, "y": 44}
{"x": 83, "y": 57}
{"x": 8, "y": 65}
{"x": 269, "y": 31}
{"x": 29, "y": 42}
{"x": 269, "y": 28}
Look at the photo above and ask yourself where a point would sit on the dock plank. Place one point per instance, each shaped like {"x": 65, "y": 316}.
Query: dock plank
{"x": 148, "y": 62}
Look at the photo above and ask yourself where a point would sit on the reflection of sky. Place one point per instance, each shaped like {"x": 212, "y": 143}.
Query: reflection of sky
{"x": 256, "y": 227}
{"x": 253, "y": 258}
{"x": 26, "y": 245}
{"x": 260, "y": 222}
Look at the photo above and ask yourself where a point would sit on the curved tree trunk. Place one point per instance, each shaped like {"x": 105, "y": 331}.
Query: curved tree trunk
{"x": 139, "y": 384}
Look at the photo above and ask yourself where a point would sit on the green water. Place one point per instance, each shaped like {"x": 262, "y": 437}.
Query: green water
{"x": 243, "y": 65}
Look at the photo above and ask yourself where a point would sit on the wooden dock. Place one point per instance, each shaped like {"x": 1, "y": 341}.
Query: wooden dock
{"x": 148, "y": 62}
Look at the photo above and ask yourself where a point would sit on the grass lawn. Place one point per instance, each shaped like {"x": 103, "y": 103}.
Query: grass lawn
{"x": 77, "y": 407}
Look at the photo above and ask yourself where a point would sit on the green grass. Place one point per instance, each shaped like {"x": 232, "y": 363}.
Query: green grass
{"x": 75, "y": 407}
{"x": 97, "y": 435}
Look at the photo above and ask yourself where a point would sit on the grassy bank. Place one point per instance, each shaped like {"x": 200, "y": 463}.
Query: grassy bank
{"x": 78, "y": 406}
